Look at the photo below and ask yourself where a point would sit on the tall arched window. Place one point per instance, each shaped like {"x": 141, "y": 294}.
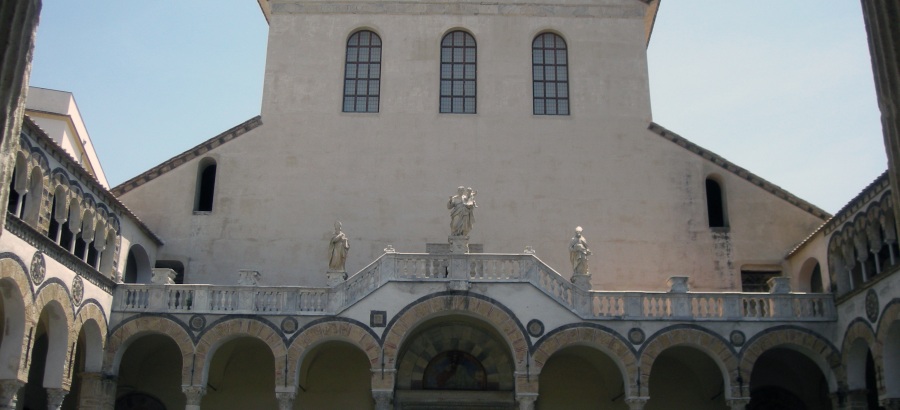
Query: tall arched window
{"x": 715, "y": 204}
{"x": 362, "y": 72}
{"x": 458, "y": 73}
{"x": 550, "y": 70}
{"x": 206, "y": 185}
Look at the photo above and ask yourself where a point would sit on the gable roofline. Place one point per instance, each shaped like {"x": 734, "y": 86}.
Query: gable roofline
{"x": 87, "y": 177}
{"x": 184, "y": 157}
{"x": 738, "y": 171}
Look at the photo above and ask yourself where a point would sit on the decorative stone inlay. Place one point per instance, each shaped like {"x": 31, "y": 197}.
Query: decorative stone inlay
{"x": 197, "y": 322}
{"x": 636, "y": 336}
{"x": 737, "y": 338}
{"x": 289, "y": 325}
{"x": 535, "y": 328}
{"x": 872, "y": 306}
{"x": 38, "y": 268}
{"x": 377, "y": 318}
{"x": 77, "y": 290}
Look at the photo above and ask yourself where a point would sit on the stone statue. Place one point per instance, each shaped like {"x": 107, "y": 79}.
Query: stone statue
{"x": 462, "y": 211}
{"x": 337, "y": 249}
{"x": 578, "y": 253}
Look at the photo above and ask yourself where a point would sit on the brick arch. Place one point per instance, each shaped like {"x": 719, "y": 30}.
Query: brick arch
{"x": 889, "y": 317}
{"x": 126, "y": 333}
{"x": 326, "y": 331}
{"x": 54, "y": 293}
{"x": 230, "y": 329}
{"x": 813, "y": 346}
{"x": 859, "y": 330}
{"x": 605, "y": 341}
{"x": 94, "y": 341}
{"x": 699, "y": 338}
{"x": 489, "y": 311}
{"x": 21, "y": 316}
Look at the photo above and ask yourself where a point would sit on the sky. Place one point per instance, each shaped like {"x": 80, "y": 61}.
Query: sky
{"x": 781, "y": 88}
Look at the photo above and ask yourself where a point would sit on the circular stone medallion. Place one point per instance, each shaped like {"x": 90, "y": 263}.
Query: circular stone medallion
{"x": 636, "y": 336}
{"x": 197, "y": 322}
{"x": 738, "y": 338}
{"x": 38, "y": 268}
{"x": 289, "y": 325}
{"x": 872, "y": 305}
{"x": 535, "y": 328}
{"x": 77, "y": 290}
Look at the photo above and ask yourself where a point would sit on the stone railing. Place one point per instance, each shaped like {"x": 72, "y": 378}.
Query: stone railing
{"x": 459, "y": 272}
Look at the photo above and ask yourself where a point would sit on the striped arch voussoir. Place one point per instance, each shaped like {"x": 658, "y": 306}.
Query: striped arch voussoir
{"x": 330, "y": 331}
{"x": 225, "y": 331}
{"x": 603, "y": 341}
{"x": 132, "y": 330}
{"x": 702, "y": 340}
{"x": 811, "y": 345}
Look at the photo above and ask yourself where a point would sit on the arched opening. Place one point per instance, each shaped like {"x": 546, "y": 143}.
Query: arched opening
{"x": 71, "y": 401}
{"x": 687, "y": 376}
{"x": 715, "y": 204}
{"x": 785, "y": 379}
{"x": 18, "y": 186}
{"x": 241, "y": 376}
{"x": 206, "y": 185}
{"x": 335, "y": 375}
{"x": 31, "y": 209}
{"x": 48, "y": 356}
{"x": 12, "y": 327}
{"x": 137, "y": 266}
{"x": 809, "y": 278}
{"x": 57, "y": 202}
{"x": 457, "y": 361}
{"x": 150, "y": 372}
{"x": 71, "y": 226}
{"x": 176, "y": 266}
{"x": 891, "y": 358}
{"x": 581, "y": 377}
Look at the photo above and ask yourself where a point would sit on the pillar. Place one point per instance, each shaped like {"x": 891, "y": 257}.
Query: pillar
{"x": 194, "y": 395}
{"x": 9, "y": 391}
{"x": 97, "y": 392}
{"x": 738, "y": 403}
{"x": 285, "y": 399}
{"x": 526, "y": 400}
{"x": 384, "y": 399}
{"x": 55, "y": 398}
{"x": 857, "y": 400}
{"x": 636, "y": 403}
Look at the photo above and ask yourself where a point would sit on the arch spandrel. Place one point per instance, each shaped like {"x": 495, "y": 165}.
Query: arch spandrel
{"x": 227, "y": 330}
{"x": 491, "y": 312}
{"x": 125, "y": 334}
{"x": 323, "y": 332}
{"x": 603, "y": 341}
{"x": 814, "y": 347}
{"x": 701, "y": 339}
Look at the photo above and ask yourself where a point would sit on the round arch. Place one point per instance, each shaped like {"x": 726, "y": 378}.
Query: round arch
{"x": 91, "y": 321}
{"x": 327, "y": 331}
{"x": 488, "y": 311}
{"x": 230, "y": 329}
{"x": 701, "y": 339}
{"x": 814, "y": 347}
{"x": 602, "y": 340}
{"x": 18, "y": 315}
{"x": 810, "y": 278}
{"x": 126, "y": 333}
{"x": 888, "y": 335}
{"x": 137, "y": 265}
{"x": 54, "y": 299}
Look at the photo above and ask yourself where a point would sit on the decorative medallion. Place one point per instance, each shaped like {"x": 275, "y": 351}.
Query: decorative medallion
{"x": 289, "y": 325}
{"x": 737, "y": 338}
{"x": 872, "y": 305}
{"x": 77, "y": 290}
{"x": 197, "y": 322}
{"x": 535, "y": 328}
{"x": 636, "y": 336}
{"x": 377, "y": 318}
{"x": 38, "y": 268}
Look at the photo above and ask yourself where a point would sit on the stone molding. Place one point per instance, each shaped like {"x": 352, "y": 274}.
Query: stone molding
{"x": 585, "y": 10}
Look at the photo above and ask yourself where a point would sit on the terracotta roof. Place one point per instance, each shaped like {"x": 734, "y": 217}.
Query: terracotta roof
{"x": 741, "y": 172}
{"x": 87, "y": 177}
{"x": 186, "y": 156}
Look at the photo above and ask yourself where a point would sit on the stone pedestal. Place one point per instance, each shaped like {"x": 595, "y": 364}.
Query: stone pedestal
{"x": 55, "y": 398}
{"x": 738, "y": 403}
{"x": 384, "y": 399}
{"x": 779, "y": 285}
{"x": 678, "y": 284}
{"x": 526, "y": 400}
{"x": 248, "y": 277}
{"x": 9, "y": 391}
{"x": 636, "y": 403}
{"x": 459, "y": 244}
{"x": 582, "y": 281}
{"x": 334, "y": 278}
{"x": 97, "y": 392}
{"x": 194, "y": 395}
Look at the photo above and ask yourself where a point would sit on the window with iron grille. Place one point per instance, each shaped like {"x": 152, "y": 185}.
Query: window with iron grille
{"x": 362, "y": 72}
{"x": 458, "y": 73}
{"x": 550, "y": 70}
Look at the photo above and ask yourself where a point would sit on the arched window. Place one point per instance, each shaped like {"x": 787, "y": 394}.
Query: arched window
{"x": 206, "y": 185}
{"x": 362, "y": 72}
{"x": 550, "y": 71}
{"x": 458, "y": 73}
{"x": 715, "y": 204}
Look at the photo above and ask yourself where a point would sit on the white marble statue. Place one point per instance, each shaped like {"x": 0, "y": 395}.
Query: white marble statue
{"x": 462, "y": 211}
{"x": 578, "y": 253}
{"x": 337, "y": 249}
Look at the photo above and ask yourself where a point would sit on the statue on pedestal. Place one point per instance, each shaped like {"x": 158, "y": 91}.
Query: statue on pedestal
{"x": 337, "y": 249}
{"x": 462, "y": 211}
{"x": 578, "y": 253}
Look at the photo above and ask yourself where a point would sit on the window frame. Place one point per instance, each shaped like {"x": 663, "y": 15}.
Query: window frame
{"x": 457, "y": 89}
{"x": 539, "y": 104}
{"x": 368, "y": 96}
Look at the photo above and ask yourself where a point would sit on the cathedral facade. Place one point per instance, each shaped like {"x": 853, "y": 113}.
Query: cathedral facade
{"x": 441, "y": 205}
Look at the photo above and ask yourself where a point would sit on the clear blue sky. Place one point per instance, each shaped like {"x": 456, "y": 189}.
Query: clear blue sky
{"x": 782, "y": 88}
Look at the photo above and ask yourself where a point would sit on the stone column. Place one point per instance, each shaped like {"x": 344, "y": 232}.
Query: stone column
{"x": 97, "y": 392}
{"x": 55, "y": 398}
{"x": 194, "y": 395}
{"x": 9, "y": 391}
{"x": 636, "y": 403}
{"x": 857, "y": 400}
{"x": 285, "y": 399}
{"x": 738, "y": 403}
{"x": 526, "y": 400}
{"x": 384, "y": 399}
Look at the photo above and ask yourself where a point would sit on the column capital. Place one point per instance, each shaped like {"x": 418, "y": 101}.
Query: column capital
{"x": 383, "y": 399}
{"x": 636, "y": 403}
{"x": 55, "y": 398}
{"x": 526, "y": 400}
{"x": 9, "y": 389}
{"x": 194, "y": 394}
{"x": 285, "y": 399}
{"x": 738, "y": 403}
